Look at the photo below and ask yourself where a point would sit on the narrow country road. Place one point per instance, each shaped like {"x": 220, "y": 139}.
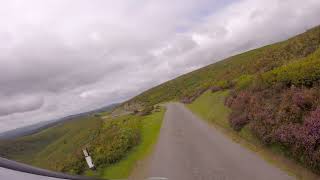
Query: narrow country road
{"x": 188, "y": 149}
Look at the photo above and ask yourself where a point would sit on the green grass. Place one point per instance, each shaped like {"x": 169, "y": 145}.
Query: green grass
{"x": 300, "y": 73}
{"x": 210, "y": 106}
{"x": 116, "y": 144}
{"x": 150, "y": 128}
{"x": 54, "y": 147}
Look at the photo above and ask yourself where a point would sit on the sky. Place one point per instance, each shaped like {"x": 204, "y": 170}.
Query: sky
{"x": 62, "y": 57}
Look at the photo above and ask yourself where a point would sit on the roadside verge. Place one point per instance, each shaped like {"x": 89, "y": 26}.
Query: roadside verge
{"x": 210, "y": 107}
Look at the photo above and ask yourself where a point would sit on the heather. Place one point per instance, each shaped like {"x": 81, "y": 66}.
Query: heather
{"x": 282, "y": 108}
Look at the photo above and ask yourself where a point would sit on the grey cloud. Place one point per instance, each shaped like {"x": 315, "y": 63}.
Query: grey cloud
{"x": 20, "y": 104}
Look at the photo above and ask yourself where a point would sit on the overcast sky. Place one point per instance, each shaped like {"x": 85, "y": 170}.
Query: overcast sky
{"x": 60, "y": 57}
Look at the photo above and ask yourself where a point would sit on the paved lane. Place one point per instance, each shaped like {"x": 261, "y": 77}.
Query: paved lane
{"x": 188, "y": 149}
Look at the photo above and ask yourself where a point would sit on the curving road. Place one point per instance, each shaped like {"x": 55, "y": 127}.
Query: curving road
{"x": 188, "y": 149}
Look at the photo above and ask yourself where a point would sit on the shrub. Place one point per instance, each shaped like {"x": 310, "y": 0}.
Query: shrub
{"x": 223, "y": 84}
{"x": 116, "y": 138}
{"x": 76, "y": 165}
{"x": 286, "y": 116}
{"x": 262, "y": 123}
{"x": 243, "y": 82}
{"x": 311, "y": 129}
{"x": 238, "y": 121}
{"x": 194, "y": 96}
{"x": 135, "y": 112}
{"x": 146, "y": 111}
{"x": 97, "y": 115}
{"x": 303, "y": 99}
{"x": 300, "y": 73}
{"x": 303, "y": 140}
{"x": 214, "y": 89}
{"x": 239, "y": 117}
{"x": 285, "y": 134}
{"x": 288, "y": 110}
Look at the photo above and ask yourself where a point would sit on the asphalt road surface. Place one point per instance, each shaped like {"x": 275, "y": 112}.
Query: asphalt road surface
{"x": 188, "y": 149}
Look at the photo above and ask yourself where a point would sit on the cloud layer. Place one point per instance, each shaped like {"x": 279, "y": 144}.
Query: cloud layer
{"x": 60, "y": 57}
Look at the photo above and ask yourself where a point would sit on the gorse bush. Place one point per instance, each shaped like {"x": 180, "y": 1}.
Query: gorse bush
{"x": 115, "y": 139}
{"x": 243, "y": 82}
{"x": 146, "y": 111}
{"x": 223, "y": 84}
{"x": 301, "y": 73}
{"x": 76, "y": 164}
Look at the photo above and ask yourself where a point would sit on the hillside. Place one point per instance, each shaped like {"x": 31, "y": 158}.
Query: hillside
{"x": 35, "y": 128}
{"x": 273, "y": 96}
{"x": 115, "y": 143}
{"x": 55, "y": 147}
{"x": 226, "y": 72}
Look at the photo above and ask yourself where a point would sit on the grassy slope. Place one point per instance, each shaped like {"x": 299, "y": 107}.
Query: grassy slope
{"x": 210, "y": 107}
{"x": 115, "y": 144}
{"x": 53, "y": 147}
{"x": 264, "y": 64}
{"x": 150, "y": 128}
{"x": 248, "y": 63}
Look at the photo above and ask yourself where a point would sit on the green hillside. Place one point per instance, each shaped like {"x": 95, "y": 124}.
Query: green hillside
{"x": 54, "y": 148}
{"x": 148, "y": 130}
{"x": 225, "y": 73}
{"x": 272, "y": 95}
{"x": 115, "y": 144}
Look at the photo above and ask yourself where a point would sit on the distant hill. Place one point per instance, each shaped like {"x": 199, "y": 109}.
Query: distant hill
{"x": 35, "y": 128}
